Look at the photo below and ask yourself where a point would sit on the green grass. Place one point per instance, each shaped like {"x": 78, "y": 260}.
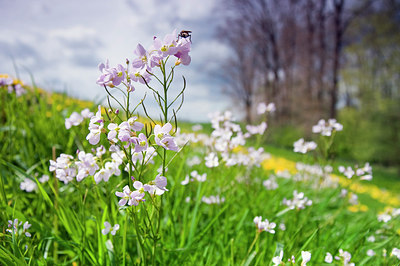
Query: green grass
{"x": 67, "y": 219}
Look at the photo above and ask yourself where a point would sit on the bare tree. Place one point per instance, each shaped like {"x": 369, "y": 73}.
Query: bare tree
{"x": 240, "y": 71}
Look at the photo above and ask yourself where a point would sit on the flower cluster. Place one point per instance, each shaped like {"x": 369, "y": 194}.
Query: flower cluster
{"x": 254, "y": 130}
{"x": 305, "y": 256}
{"x": 155, "y": 187}
{"x": 213, "y": 200}
{"x": 11, "y": 86}
{"x": 141, "y": 68}
{"x": 299, "y": 201}
{"x": 365, "y": 172}
{"x": 67, "y": 168}
{"x": 270, "y": 184}
{"x": 325, "y": 128}
{"x": 302, "y": 146}
{"x": 264, "y": 225}
{"x": 344, "y": 256}
{"x": 76, "y": 119}
{"x": 262, "y": 108}
{"x": 13, "y": 227}
{"x": 108, "y": 228}
{"x": 194, "y": 175}
{"x": 388, "y": 214}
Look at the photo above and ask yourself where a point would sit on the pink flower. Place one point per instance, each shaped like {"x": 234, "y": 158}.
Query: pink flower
{"x": 111, "y": 76}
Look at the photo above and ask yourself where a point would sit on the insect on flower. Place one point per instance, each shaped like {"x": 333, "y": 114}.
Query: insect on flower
{"x": 185, "y": 34}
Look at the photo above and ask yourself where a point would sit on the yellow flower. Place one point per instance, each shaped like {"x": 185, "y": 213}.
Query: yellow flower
{"x": 358, "y": 208}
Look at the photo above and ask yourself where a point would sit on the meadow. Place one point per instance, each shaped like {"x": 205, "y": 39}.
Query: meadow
{"x": 84, "y": 184}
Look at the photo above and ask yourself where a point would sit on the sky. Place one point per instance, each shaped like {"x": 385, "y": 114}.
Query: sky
{"x": 61, "y": 43}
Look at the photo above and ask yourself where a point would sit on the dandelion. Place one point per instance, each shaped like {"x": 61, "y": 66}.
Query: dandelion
{"x": 109, "y": 228}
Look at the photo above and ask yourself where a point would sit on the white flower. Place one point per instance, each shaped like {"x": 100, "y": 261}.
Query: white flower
{"x": 260, "y": 129}
{"x": 278, "y": 259}
{"x": 44, "y": 179}
{"x": 348, "y": 172}
{"x": 212, "y": 160}
{"x": 74, "y": 120}
{"x": 396, "y": 252}
{"x": 282, "y": 226}
{"x": 193, "y": 161}
{"x": 328, "y": 257}
{"x": 262, "y": 108}
{"x": 186, "y": 181}
{"x": 371, "y": 239}
{"x": 306, "y": 256}
{"x": 269, "y": 227}
{"x": 264, "y": 225}
{"x": 213, "y": 200}
{"x": 370, "y": 253}
{"x": 28, "y": 185}
{"x": 197, "y": 127}
{"x": 85, "y": 113}
{"x": 384, "y": 217}
{"x": 270, "y": 184}
{"x": 298, "y": 202}
{"x": 326, "y": 128}
{"x": 109, "y": 228}
{"x": 303, "y": 147}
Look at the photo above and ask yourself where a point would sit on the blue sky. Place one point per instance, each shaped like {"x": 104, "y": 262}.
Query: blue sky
{"x": 62, "y": 42}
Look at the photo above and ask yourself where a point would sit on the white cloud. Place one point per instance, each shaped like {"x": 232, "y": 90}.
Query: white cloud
{"x": 62, "y": 42}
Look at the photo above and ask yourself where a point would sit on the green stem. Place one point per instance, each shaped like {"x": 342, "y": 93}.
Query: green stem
{"x": 251, "y": 247}
{"x": 124, "y": 240}
{"x": 139, "y": 238}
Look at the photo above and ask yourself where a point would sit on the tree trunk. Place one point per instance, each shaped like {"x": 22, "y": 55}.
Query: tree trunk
{"x": 338, "y": 29}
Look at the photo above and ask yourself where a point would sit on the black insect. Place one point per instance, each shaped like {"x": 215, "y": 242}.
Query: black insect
{"x": 185, "y": 34}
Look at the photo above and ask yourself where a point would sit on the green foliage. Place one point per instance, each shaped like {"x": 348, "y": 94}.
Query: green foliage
{"x": 284, "y": 136}
{"x": 67, "y": 219}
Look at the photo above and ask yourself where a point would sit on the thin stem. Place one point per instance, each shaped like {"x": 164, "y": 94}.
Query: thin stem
{"x": 124, "y": 240}
{"x": 139, "y": 237}
{"x": 251, "y": 247}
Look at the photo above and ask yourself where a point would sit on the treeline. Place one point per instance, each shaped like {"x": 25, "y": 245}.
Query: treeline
{"x": 313, "y": 58}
